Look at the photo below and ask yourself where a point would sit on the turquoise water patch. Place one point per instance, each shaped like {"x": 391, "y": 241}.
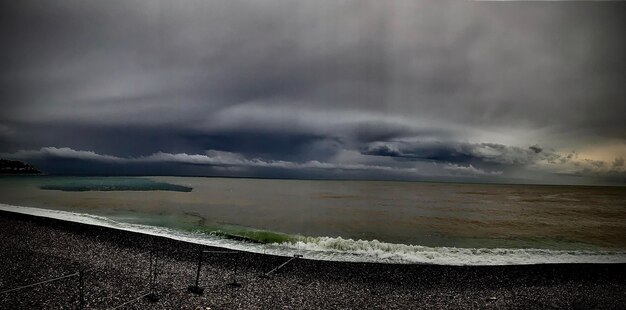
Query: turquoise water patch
{"x": 84, "y": 184}
{"x": 249, "y": 235}
{"x": 189, "y": 223}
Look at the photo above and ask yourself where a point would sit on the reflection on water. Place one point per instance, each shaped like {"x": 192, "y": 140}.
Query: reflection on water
{"x": 431, "y": 214}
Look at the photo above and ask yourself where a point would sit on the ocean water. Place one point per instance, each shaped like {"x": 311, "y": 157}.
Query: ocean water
{"x": 373, "y": 221}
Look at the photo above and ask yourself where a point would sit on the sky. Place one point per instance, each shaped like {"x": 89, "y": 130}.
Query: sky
{"x": 513, "y": 92}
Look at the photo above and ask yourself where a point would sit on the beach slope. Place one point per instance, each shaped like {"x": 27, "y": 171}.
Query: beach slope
{"x": 116, "y": 267}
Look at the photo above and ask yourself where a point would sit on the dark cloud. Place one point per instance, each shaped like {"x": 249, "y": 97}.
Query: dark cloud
{"x": 66, "y": 160}
{"x": 280, "y": 145}
{"x": 457, "y": 152}
{"x": 474, "y": 87}
{"x": 384, "y": 150}
{"x": 345, "y": 164}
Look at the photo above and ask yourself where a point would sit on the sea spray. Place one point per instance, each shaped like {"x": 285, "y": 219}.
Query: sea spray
{"x": 376, "y": 251}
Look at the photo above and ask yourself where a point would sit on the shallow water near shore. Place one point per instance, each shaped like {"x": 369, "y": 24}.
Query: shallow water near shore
{"x": 396, "y": 222}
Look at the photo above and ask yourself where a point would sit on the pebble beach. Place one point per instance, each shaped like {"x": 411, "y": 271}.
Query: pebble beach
{"x": 115, "y": 267}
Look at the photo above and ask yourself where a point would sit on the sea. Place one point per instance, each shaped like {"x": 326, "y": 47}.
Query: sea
{"x": 357, "y": 221}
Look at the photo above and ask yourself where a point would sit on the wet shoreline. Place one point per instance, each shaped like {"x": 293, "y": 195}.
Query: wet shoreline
{"x": 117, "y": 263}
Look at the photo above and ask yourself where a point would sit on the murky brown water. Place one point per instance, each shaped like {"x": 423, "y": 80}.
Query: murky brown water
{"x": 431, "y": 214}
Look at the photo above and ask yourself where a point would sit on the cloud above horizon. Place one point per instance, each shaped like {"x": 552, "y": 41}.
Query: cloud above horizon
{"x": 209, "y": 158}
{"x": 383, "y": 166}
{"x": 517, "y": 92}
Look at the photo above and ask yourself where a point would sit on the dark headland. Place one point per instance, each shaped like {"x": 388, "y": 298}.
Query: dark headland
{"x": 11, "y": 167}
{"x": 116, "y": 265}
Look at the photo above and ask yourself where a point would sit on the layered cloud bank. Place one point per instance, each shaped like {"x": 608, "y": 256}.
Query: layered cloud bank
{"x": 454, "y": 165}
{"x": 519, "y": 92}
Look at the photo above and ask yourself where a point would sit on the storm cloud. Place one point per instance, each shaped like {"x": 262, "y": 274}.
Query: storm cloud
{"x": 518, "y": 92}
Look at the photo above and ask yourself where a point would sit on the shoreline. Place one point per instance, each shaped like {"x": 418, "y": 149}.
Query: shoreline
{"x": 340, "y": 249}
{"x": 35, "y": 248}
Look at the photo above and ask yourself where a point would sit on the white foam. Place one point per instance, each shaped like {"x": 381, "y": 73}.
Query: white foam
{"x": 339, "y": 249}
{"x": 374, "y": 250}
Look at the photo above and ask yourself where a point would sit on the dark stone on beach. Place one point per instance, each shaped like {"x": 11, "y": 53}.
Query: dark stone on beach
{"x": 116, "y": 265}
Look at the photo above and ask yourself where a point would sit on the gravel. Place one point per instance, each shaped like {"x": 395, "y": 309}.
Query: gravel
{"x": 116, "y": 268}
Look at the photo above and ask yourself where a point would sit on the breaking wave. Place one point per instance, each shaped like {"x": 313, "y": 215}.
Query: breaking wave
{"x": 340, "y": 249}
